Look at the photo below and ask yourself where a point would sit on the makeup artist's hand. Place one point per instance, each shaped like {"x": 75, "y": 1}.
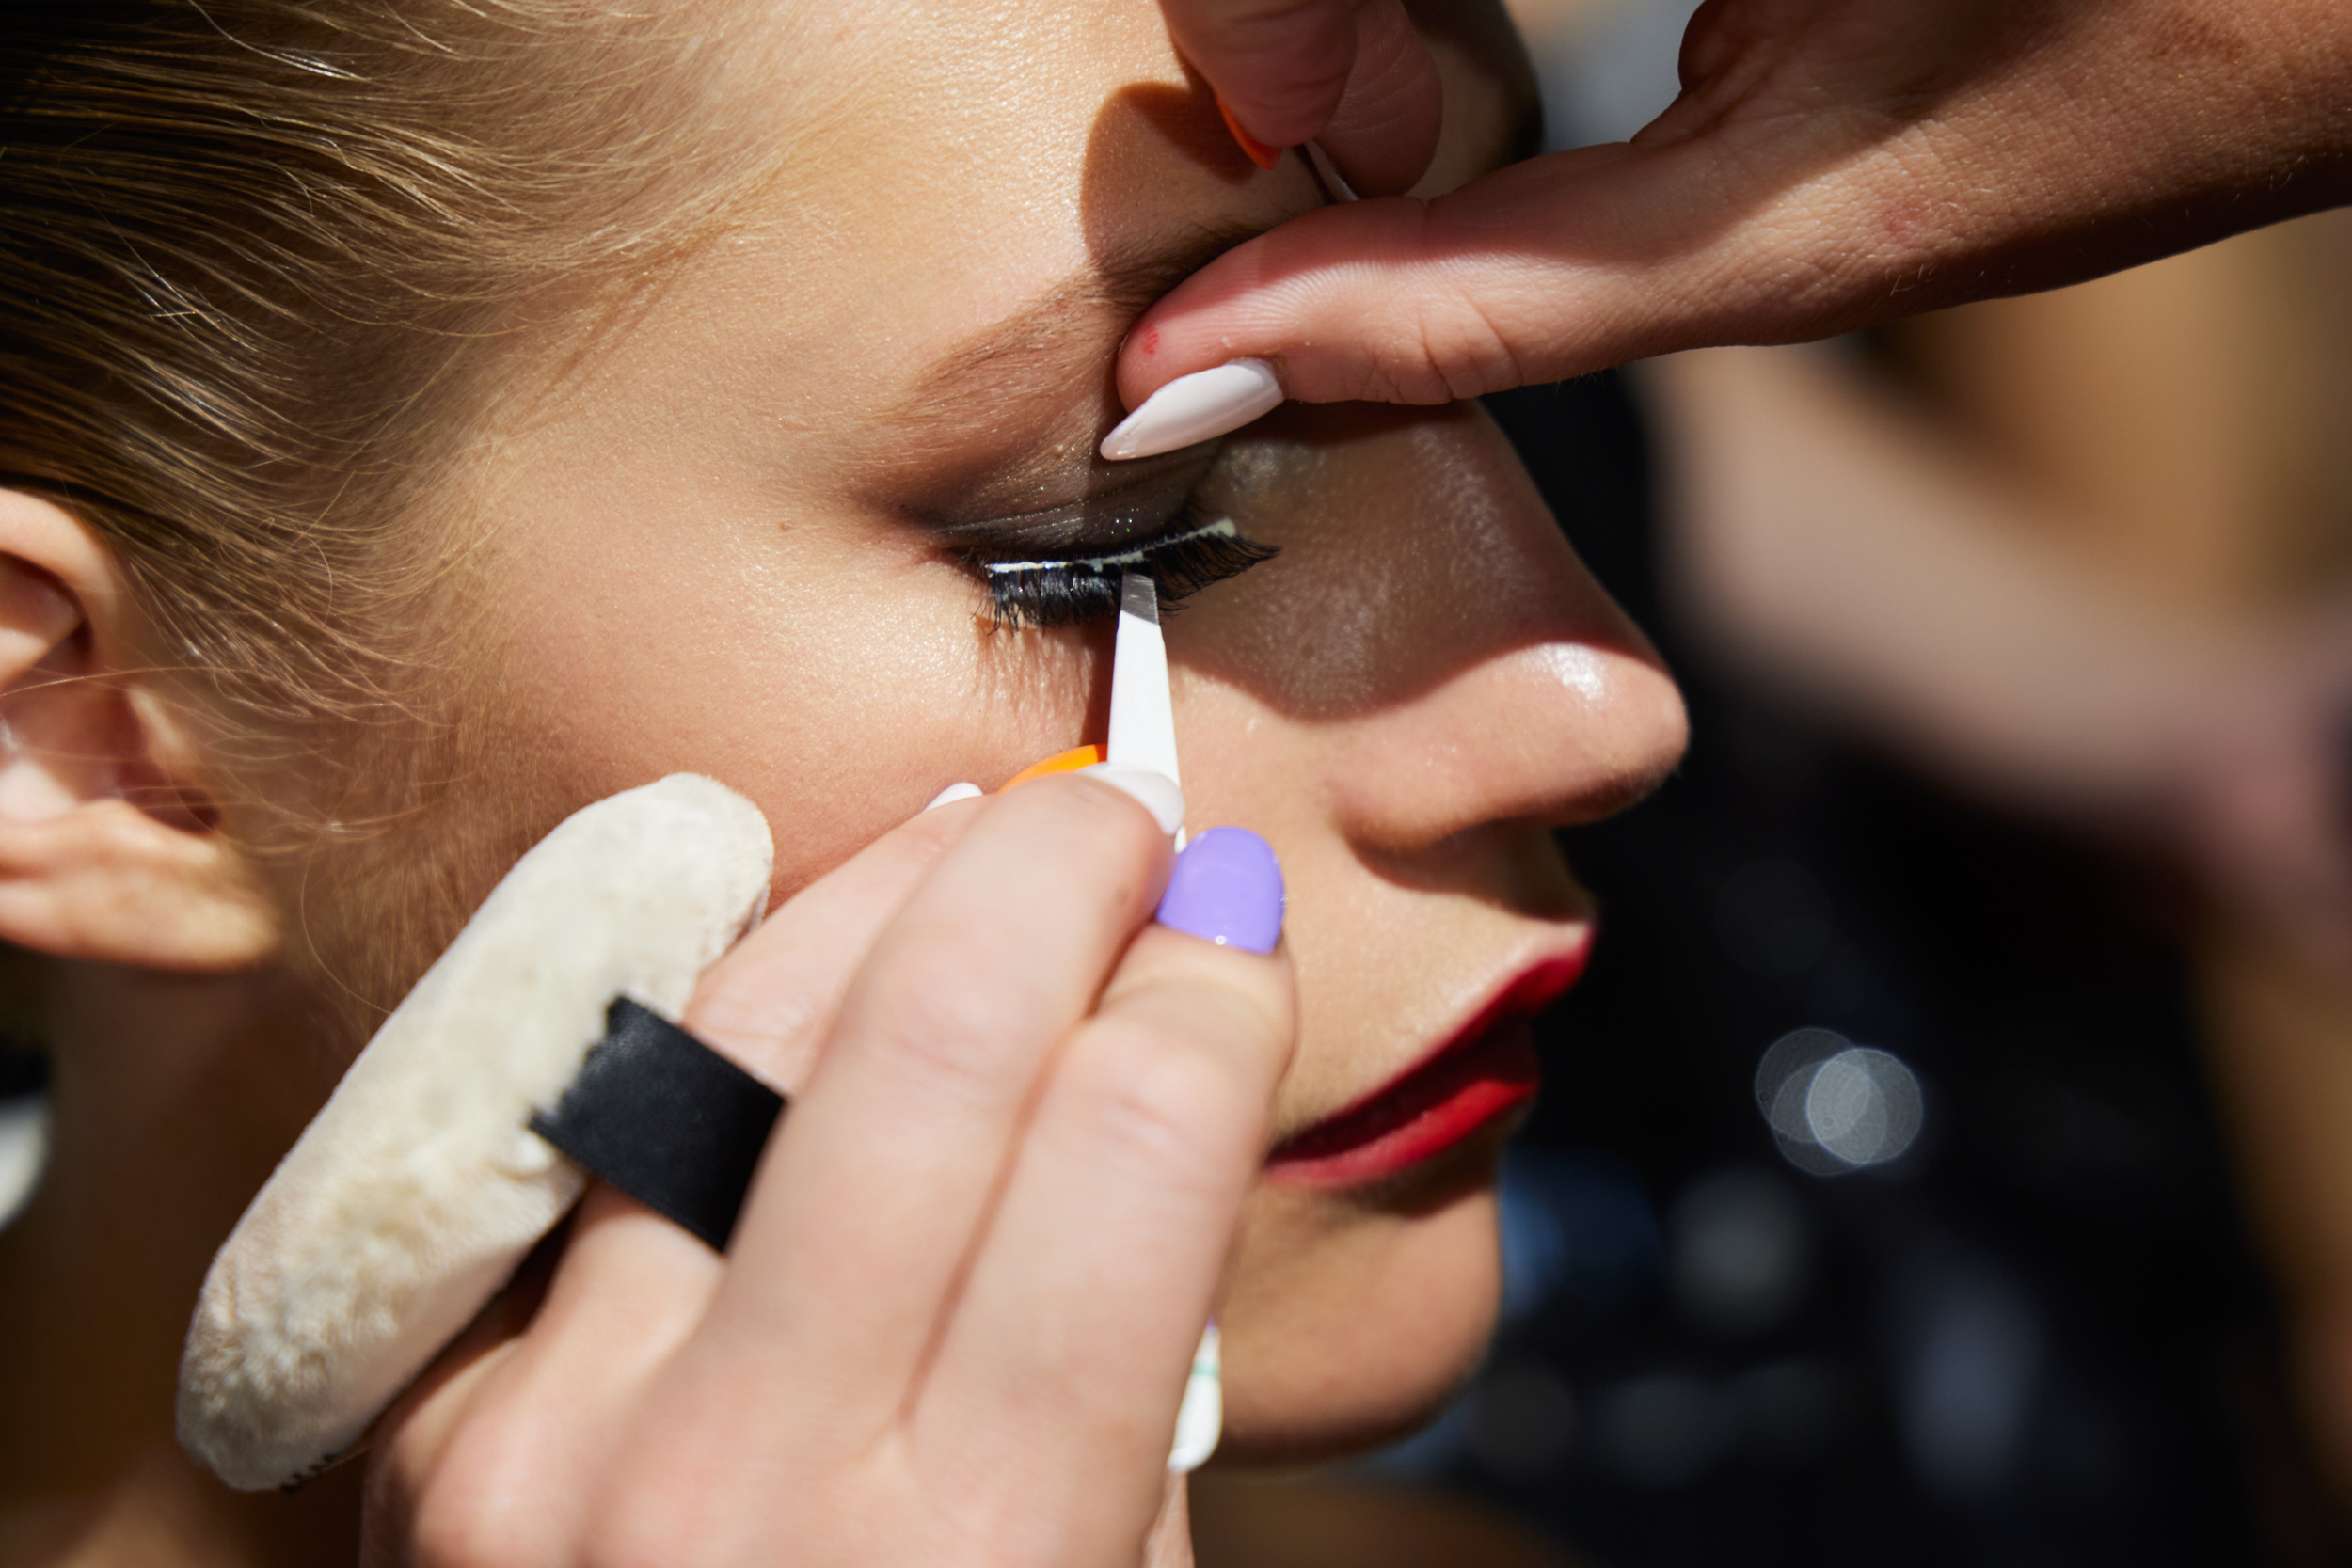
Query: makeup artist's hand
{"x": 1830, "y": 164}
{"x": 958, "y": 1313}
{"x": 1350, "y": 74}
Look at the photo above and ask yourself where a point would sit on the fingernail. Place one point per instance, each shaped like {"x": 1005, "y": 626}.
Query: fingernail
{"x": 1157, "y": 791}
{"x": 1195, "y": 407}
{"x": 1259, "y": 154}
{"x": 1227, "y": 888}
{"x": 953, "y": 793}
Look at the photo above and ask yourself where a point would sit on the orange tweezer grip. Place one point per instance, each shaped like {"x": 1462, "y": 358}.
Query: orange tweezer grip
{"x": 1061, "y": 762}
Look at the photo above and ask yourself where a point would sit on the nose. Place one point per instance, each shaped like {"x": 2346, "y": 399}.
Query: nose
{"x": 1554, "y": 733}
{"x": 1444, "y": 659}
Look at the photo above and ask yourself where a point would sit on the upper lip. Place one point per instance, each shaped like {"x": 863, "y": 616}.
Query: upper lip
{"x": 1525, "y": 991}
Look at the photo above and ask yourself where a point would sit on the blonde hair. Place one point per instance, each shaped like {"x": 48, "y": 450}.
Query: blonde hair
{"x": 252, "y": 252}
{"x": 255, "y": 256}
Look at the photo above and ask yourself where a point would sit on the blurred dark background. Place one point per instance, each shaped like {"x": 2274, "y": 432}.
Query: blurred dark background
{"x": 1940, "y": 1162}
{"x": 2008, "y": 1315}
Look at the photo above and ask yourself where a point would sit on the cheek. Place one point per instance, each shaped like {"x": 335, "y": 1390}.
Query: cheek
{"x": 1347, "y": 1328}
{"x": 839, "y": 682}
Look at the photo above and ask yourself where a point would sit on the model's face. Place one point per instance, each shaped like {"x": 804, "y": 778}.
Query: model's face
{"x": 725, "y": 548}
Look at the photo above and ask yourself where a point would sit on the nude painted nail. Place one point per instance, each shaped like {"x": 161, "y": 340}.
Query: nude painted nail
{"x": 1196, "y": 408}
{"x": 1156, "y": 791}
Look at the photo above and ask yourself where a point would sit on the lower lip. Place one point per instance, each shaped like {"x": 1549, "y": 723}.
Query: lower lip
{"x": 1491, "y": 1071}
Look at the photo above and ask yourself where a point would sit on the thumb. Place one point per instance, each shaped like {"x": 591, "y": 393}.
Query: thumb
{"x": 1803, "y": 184}
{"x": 1542, "y": 271}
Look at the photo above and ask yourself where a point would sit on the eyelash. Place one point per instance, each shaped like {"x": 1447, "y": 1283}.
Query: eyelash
{"x": 1025, "y": 594}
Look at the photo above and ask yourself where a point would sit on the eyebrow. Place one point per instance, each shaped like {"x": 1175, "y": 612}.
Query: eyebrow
{"x": 1061, "y": 334}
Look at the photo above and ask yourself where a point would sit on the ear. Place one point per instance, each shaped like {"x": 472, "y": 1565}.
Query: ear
{"x": 108, "y": 847}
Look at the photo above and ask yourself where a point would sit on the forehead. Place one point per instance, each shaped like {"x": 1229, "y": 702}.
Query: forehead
{"x": 937, "y": 164}
{"x": 933, "y": 185}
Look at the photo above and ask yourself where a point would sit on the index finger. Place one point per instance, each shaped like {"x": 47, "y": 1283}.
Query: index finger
{"x": 631, "y": 1286}
{"x": 869, "y": 1202}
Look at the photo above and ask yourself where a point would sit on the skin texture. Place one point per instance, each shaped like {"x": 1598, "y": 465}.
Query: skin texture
{"x": 1021, "y": 1166}
{"x": 1830, "y": 164}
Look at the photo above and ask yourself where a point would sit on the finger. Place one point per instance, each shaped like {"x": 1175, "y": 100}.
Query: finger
{"x": 1076, "y": 1333}
{"x": 412, "y": 1441}
{"x": 868, "y": 1207}
{"x": 1169, "y": 1544}
{"x": 632, "y": 1286}
{"x": 501, "y": 1462}
{"x": 1542, "y": 271}
{"x": 631, "y": 1277}
{"x": 1797, "y": 188}
{"x": 768, "y": 1002}
{"x": 1279, "y": 65}
{"x": 1384, "y": 131}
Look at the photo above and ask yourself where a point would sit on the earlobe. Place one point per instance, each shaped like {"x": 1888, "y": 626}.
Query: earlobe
{"x": 101, "y": 856}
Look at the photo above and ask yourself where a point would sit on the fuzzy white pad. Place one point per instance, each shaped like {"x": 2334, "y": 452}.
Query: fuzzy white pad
{"x": 409, "y": 1200}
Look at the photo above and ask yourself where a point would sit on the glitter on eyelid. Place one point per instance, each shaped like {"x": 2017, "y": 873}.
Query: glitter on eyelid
{"x": 1575, "y": 666}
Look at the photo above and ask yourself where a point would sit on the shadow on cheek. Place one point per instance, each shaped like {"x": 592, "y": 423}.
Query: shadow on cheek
{"x": 1414, "y": 547}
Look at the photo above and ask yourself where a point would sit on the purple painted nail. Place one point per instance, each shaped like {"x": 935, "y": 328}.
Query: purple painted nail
{"x": 1226, "y": 887}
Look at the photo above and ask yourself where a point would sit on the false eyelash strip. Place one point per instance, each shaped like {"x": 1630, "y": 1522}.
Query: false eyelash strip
{"x": 1223, "y": 528}
{"x": 1064, "y": 593}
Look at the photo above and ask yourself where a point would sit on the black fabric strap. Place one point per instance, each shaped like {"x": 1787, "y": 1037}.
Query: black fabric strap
{"x": 665, "y": 1118}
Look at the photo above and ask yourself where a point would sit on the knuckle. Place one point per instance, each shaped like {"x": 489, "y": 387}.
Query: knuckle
{"x": 471, "y": 1511}
{"x": 1092, "y": 839}
{"x": 1178, "y": 1108}
{"x": 662, "y": 1518}
{"x": 460, "y": 1528}
{"x": 1100, "y": 819}
{"x": 1241, "y": 1004}
{"x": 947, "y": 1019}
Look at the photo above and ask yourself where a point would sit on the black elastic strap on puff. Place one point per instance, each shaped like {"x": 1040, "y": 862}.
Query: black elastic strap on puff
{"x": 659, "y": 1114}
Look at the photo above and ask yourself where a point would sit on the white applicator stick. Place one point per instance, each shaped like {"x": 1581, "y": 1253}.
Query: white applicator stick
{"x": 1143, "y": 711}
{"x": 1141, "y": 756}
{"x": 1143, "y": 742}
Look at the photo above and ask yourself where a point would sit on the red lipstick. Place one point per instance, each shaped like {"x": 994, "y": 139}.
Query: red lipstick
{"x": 1488, "y": 1069}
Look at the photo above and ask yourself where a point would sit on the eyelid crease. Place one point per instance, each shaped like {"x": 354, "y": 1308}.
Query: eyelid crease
{"x": 1135, "y": 506}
